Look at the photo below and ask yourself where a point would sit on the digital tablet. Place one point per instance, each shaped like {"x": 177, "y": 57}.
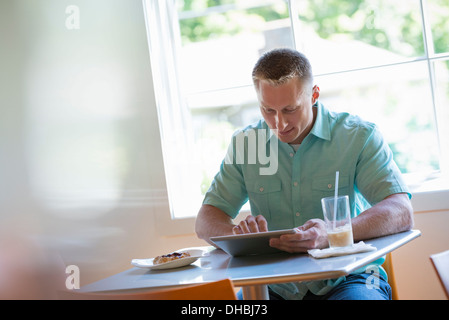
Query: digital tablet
{"x": 249, "y": 243}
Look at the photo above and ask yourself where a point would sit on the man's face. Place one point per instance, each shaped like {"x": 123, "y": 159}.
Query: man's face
{"x": 287, "y": 109}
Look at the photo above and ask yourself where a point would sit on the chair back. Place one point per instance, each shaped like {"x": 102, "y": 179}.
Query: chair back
{"x": 388, "y": 266}
{"x": 217, "y": 290}
{"x": 440, "y": 262}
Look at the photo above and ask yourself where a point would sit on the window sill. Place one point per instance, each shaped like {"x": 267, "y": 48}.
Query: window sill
{"x": 425, "y": 201}
{"x": 430, "y": 192}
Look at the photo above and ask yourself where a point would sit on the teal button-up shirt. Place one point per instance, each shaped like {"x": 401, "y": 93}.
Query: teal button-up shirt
{"x": 286, "y": 186}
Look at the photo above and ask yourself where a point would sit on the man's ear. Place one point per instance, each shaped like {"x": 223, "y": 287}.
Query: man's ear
{"x": 315, "y": 94}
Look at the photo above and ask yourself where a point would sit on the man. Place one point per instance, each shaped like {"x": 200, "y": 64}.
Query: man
{"x": 312, "y": 144}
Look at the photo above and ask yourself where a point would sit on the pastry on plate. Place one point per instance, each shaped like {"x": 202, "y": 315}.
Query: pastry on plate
{"x": 170, "y": 257}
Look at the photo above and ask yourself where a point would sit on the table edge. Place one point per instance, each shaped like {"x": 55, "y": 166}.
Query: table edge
{"x": 413, "y": 234}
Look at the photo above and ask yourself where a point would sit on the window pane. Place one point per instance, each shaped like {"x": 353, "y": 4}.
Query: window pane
{"x": 399, "y": 101}
{"x": 438, "y": 15}
{"x": 339, "y": 35}
{"x": 221, "y": 43}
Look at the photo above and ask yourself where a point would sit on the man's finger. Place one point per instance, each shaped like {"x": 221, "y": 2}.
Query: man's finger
{"x": 237, "y": 230}
{"x": 262, "y": 223}
{"x": 252, "y": 223}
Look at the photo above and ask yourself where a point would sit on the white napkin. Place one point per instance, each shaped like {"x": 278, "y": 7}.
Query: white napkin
{"x": 333, "y": 252}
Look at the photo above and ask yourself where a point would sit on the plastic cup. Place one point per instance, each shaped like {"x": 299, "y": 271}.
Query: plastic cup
{"x": 337, "y": 217}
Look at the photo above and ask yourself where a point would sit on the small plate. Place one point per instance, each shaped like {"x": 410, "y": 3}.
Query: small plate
{"x": 195, "y": 254}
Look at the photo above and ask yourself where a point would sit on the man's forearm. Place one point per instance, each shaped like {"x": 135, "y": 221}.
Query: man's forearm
{"x": 393, "y": 214}
{"x": 212, "y": 221}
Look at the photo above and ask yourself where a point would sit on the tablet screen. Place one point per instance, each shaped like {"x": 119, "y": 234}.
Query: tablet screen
{"x": 249, "y": 243}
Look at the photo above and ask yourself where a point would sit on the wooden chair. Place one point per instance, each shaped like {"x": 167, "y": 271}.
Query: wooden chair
{"x": 388, "y": 266}
{"x": 440, "y": 262}
{"x": 217, "y": 290}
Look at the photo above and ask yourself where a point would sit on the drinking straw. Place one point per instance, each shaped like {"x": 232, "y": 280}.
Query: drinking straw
{"x": 335, "y": 198}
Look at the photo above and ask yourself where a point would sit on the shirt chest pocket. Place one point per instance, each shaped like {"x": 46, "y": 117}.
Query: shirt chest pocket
{"x": 324, "y": 186}
{"x": 264, "y": 196}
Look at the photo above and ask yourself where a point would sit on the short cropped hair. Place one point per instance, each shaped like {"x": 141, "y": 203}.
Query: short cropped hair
{"x": 280, "y": 65}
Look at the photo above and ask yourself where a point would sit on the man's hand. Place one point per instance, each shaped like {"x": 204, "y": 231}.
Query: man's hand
{"x": 251, "y": 224}
{"x": 311, "y": 235}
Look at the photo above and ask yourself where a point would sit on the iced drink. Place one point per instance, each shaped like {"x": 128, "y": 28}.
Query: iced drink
{"x": 340, "y": 236}
{"x": 337, "y": 217}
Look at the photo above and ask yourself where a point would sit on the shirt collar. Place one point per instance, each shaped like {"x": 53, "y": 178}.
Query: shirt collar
{"x": 271, "y": 133}
{"x": 321, "y": 127}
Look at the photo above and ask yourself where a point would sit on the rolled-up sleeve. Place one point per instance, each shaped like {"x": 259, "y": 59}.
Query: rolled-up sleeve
{"x": 377, "y": 175}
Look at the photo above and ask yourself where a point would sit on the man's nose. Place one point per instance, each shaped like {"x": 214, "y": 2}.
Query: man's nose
{"x": 281, "y": 123}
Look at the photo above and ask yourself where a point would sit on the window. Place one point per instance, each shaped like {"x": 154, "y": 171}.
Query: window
{"x": 385, "y": 61}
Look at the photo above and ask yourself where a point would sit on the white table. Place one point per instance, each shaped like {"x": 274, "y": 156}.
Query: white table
{"x": 252, "y": 273}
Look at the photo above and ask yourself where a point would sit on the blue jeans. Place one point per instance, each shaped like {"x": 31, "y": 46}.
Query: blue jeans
{"x": 353, "y": 288}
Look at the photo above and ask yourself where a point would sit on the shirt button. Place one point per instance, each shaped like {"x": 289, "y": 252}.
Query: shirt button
{"x": 291, "y": 154}
{"x": 329, "y": 186}
{"x": 295, "y": 184}
{"x": 261, "y": 189}
{"x": 297, "y": 214}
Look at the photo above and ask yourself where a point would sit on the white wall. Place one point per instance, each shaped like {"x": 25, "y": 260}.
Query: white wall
{"x": 415, "y": 277}
{"x": 81, "y": 168}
